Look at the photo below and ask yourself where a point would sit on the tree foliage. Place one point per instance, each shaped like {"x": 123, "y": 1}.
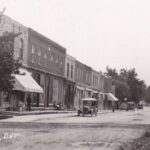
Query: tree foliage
{"x": 8, "y": 65}
{"x": 127, "y": 84}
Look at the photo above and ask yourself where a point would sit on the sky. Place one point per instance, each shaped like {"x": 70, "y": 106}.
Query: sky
{"x": 99, "y": 33}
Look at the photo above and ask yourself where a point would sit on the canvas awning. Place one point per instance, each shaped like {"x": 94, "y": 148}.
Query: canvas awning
{"x": 80, "y": 88}
{"x": 95, "y": 92}
{"x": 87, "y": 89}
{"x": 111, "y": 97}
{"x": 25, "y": 82}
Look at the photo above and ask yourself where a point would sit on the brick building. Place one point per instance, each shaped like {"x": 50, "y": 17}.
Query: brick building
{"x": 44, "y": 58}
{"x": 63, "y": 79}
{"x": 70, "y": 81}
{"x": 83, "y": 82}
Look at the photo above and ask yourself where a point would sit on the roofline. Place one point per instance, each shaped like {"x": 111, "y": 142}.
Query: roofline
{"x": 15, "y": 21}
{"x": 83, "y": 64}
{"x": 47, "y": 39}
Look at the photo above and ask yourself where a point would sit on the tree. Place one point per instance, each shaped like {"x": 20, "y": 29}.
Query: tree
{"x": 127, "y": 84}
{"x": 121, "y": 87}
{"x": 137, "y": 86}
{"x": 8, "y": 65}
{"x": 147, "y": 94}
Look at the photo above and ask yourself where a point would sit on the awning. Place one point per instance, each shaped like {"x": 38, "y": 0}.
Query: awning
{"x": 80, "y": 88}
{"x": 111, "y": 97}
{"x": 88, "y": 99}
{"x": 96, "y": 92}
{"x": 87, "y": 89}
{"x": 25, "y": 82}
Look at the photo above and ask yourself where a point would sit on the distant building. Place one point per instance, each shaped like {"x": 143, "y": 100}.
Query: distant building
{"x": 83, "y": 82}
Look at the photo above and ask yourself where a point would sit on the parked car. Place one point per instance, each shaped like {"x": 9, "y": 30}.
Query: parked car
{"x": 127, "y": 106}
{"x": 130, "y": 106}
{"x": 139, "y": 106}
{"x": 88, "y": 106}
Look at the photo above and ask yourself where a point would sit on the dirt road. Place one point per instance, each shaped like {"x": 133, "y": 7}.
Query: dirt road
{"x": 70, "y": 132}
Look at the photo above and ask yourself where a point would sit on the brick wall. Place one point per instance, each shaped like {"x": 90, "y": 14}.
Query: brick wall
{"x": 9, "y": 25}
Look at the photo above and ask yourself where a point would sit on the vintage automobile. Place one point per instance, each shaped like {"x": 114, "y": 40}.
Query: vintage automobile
{"x": 130, "y": 106}
{"x": 88, "y": 106}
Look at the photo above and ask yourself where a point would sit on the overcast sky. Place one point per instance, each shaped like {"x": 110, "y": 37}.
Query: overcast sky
{"x": 96, "y": 32}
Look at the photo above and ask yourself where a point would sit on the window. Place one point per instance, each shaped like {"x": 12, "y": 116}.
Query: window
{"x": 61, "y": 62}
{"x": 77, "y": 77}
{"x": 93, "y": 79}
{"x": 21, "y": 49}
{"x": 52, "y": 57}
{"x": 39, "y": 56}
{"x": 49, "y": 49}
{"x": 71, "y": 71}
{"x": 45, "y": 60}
{"x": 67, "y": 69}
{"x": 32, "y": 53}
{"x": 56, "y": 59}
{"x": 82, "y": 75}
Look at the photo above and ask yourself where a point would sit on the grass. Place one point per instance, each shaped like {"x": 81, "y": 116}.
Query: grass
{"x": 142, "y": 143}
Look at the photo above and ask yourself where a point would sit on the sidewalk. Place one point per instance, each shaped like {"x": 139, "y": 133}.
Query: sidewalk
{"x": 35, "y": 112}
{"x": 47, "y": 115}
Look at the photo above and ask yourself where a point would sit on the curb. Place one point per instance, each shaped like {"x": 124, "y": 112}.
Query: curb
{"x": 12, "y": 113}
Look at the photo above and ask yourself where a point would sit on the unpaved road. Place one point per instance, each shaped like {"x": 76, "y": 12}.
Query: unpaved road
{"x": 70, "y": 132}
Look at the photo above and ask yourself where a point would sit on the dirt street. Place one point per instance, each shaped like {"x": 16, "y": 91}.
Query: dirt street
{"x": 107, "y": 131}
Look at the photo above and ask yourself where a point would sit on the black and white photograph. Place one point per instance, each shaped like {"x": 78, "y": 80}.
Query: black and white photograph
{"x": 74, "y": 75}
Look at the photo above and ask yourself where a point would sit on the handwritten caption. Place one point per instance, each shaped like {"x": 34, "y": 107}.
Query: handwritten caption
{"x": 9, "y": 136}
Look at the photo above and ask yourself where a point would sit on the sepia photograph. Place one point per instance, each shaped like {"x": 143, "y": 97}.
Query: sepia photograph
{"x": 74, "y": 75}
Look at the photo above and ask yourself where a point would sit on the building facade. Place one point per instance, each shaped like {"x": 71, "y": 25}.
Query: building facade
{"x": 44, "y": 58}
{"x": 83, "y": 82}
{"x": 69, "y": 82}
{"x": 64, "y": 79}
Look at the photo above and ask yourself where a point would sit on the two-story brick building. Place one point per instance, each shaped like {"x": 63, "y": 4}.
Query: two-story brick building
{"x": 46, "y": 60}
{"x": 56, "y": 76}
{"x": 42, "y": 57}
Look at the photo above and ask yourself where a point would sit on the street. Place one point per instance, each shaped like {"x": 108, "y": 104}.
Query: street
{"x": 68, "y": 131}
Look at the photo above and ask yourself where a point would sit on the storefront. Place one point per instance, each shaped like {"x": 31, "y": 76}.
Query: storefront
{"x": 24, "y": 85}
{"x": 109, "y": 100}
{"x": 79, "y": 94}
{"x": 69, "y": 94}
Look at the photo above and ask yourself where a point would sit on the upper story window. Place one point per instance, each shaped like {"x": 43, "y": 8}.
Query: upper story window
{"x": 87, "y": 78}
{"x": 32, "y": 53}
{"x": 56, "y": 59}
{"x": 61, "y": 62}
{"x": 77, "y": 78}
{"x": 45, "y": 60}
{"x": 71, "y": 71}
{"x": 21, "y": 49}
{"x": 49, "y": 48}
{"x": 52, "y": 57}
{"x": 67, "y": 69}
{"x": 39, "y": 56}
